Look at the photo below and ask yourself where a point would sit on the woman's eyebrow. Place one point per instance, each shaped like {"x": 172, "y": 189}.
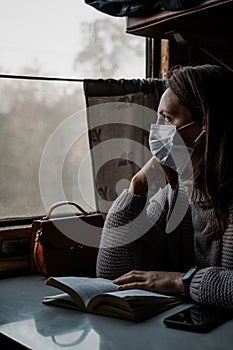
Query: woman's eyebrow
{"x": 167, "y": 111}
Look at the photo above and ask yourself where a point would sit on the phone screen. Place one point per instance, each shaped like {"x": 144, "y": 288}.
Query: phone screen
{"x": 198, "y": 318}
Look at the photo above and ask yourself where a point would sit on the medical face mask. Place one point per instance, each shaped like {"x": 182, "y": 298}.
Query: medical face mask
{"x": 173, "y": 155}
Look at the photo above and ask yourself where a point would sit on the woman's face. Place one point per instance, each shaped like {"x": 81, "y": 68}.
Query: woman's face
{"x": 171, "y": 112}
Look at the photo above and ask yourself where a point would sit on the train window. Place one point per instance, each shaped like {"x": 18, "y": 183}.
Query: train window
{"x": 69, "y": 41}
{"x": 66, "y": 38}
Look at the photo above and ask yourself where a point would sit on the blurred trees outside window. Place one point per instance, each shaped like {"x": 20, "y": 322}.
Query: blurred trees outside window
{"x": 59, "y": 38}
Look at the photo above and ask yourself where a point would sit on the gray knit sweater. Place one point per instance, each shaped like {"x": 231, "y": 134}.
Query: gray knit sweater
{"x": 135, "y": 237}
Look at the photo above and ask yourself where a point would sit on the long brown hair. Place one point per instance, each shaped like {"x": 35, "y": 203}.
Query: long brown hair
{"x": 207, "y": 92}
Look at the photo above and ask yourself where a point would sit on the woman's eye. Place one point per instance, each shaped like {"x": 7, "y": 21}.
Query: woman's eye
{"x": 167, "y": 119}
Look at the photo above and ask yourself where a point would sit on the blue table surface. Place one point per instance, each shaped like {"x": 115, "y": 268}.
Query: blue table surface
{"x": 26, "y": 320}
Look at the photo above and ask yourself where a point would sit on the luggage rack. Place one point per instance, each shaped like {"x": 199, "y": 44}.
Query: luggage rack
{"x": 207, "y": 27}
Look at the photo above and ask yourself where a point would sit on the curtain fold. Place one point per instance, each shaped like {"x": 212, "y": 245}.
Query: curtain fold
{"x": 119, "y": 115}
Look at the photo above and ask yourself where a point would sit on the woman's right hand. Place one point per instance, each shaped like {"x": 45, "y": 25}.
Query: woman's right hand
{"x": 139, "y": 183}
{"x": 152, "y": 173}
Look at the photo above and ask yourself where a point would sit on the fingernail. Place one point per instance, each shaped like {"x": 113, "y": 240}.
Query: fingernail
{"x": 114, "y": 281}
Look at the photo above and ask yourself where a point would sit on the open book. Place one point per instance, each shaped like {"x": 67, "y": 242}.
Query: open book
{"x": 101, "y": 296}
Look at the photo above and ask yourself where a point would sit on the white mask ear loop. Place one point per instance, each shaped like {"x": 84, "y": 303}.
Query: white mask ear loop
{"x": 200, "y": 136}
{"x": 186, "y": 125}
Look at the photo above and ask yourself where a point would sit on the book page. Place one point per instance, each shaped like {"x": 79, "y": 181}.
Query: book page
{"x": 138, "y": 293}
{"x": 133, "y": 304}
{"x": 85, "y": 287}
{"x": 62, "y": 300}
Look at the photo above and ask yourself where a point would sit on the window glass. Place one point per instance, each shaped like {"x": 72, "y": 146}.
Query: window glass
{"x": 60, "y": 38}
{"x": 66, "y": 38}
{"x": 31, "y": 112}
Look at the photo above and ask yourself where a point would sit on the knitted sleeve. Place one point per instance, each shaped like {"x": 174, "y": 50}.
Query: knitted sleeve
{"x": 213, "y": 286}
{"x": 128, "y": 219}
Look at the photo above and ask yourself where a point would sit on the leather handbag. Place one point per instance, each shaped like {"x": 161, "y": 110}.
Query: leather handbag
{"x": 68, "y": 245}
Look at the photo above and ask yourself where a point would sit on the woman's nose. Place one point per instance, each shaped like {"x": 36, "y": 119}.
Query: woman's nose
{"x": 160, "y": 121}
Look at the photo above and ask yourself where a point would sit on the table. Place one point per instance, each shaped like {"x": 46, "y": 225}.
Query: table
{"x": 25, "y": 320}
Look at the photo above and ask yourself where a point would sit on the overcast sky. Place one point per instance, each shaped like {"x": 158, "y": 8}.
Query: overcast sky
{"x": 45, "y": 30}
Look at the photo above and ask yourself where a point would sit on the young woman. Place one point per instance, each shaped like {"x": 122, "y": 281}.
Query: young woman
{"x": 138, "y": 250}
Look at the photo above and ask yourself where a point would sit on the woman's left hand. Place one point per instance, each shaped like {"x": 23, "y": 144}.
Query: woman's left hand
{"x": 155, "y": 281}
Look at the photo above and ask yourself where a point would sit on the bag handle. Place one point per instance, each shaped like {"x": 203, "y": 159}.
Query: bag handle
{"x": 59, "y": 204}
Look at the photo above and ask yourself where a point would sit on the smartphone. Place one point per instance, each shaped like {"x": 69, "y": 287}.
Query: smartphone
{"x": 198, "y": 318}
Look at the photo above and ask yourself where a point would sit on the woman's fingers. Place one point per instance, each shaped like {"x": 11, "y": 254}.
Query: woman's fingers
{"x": 134, "y": 280}
{"x": 131, "y": 276}
{"x": 157, "y": 281}
{"x": 133, "y": 285}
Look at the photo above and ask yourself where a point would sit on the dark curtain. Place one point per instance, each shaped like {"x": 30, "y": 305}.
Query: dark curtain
{"x": 119, "y": 115}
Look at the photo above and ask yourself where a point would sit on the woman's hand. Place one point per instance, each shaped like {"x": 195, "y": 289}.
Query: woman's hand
{"x": 139, "y": 183}
{"x": 155, "y": 281}
{"x": 152, "y": 173}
